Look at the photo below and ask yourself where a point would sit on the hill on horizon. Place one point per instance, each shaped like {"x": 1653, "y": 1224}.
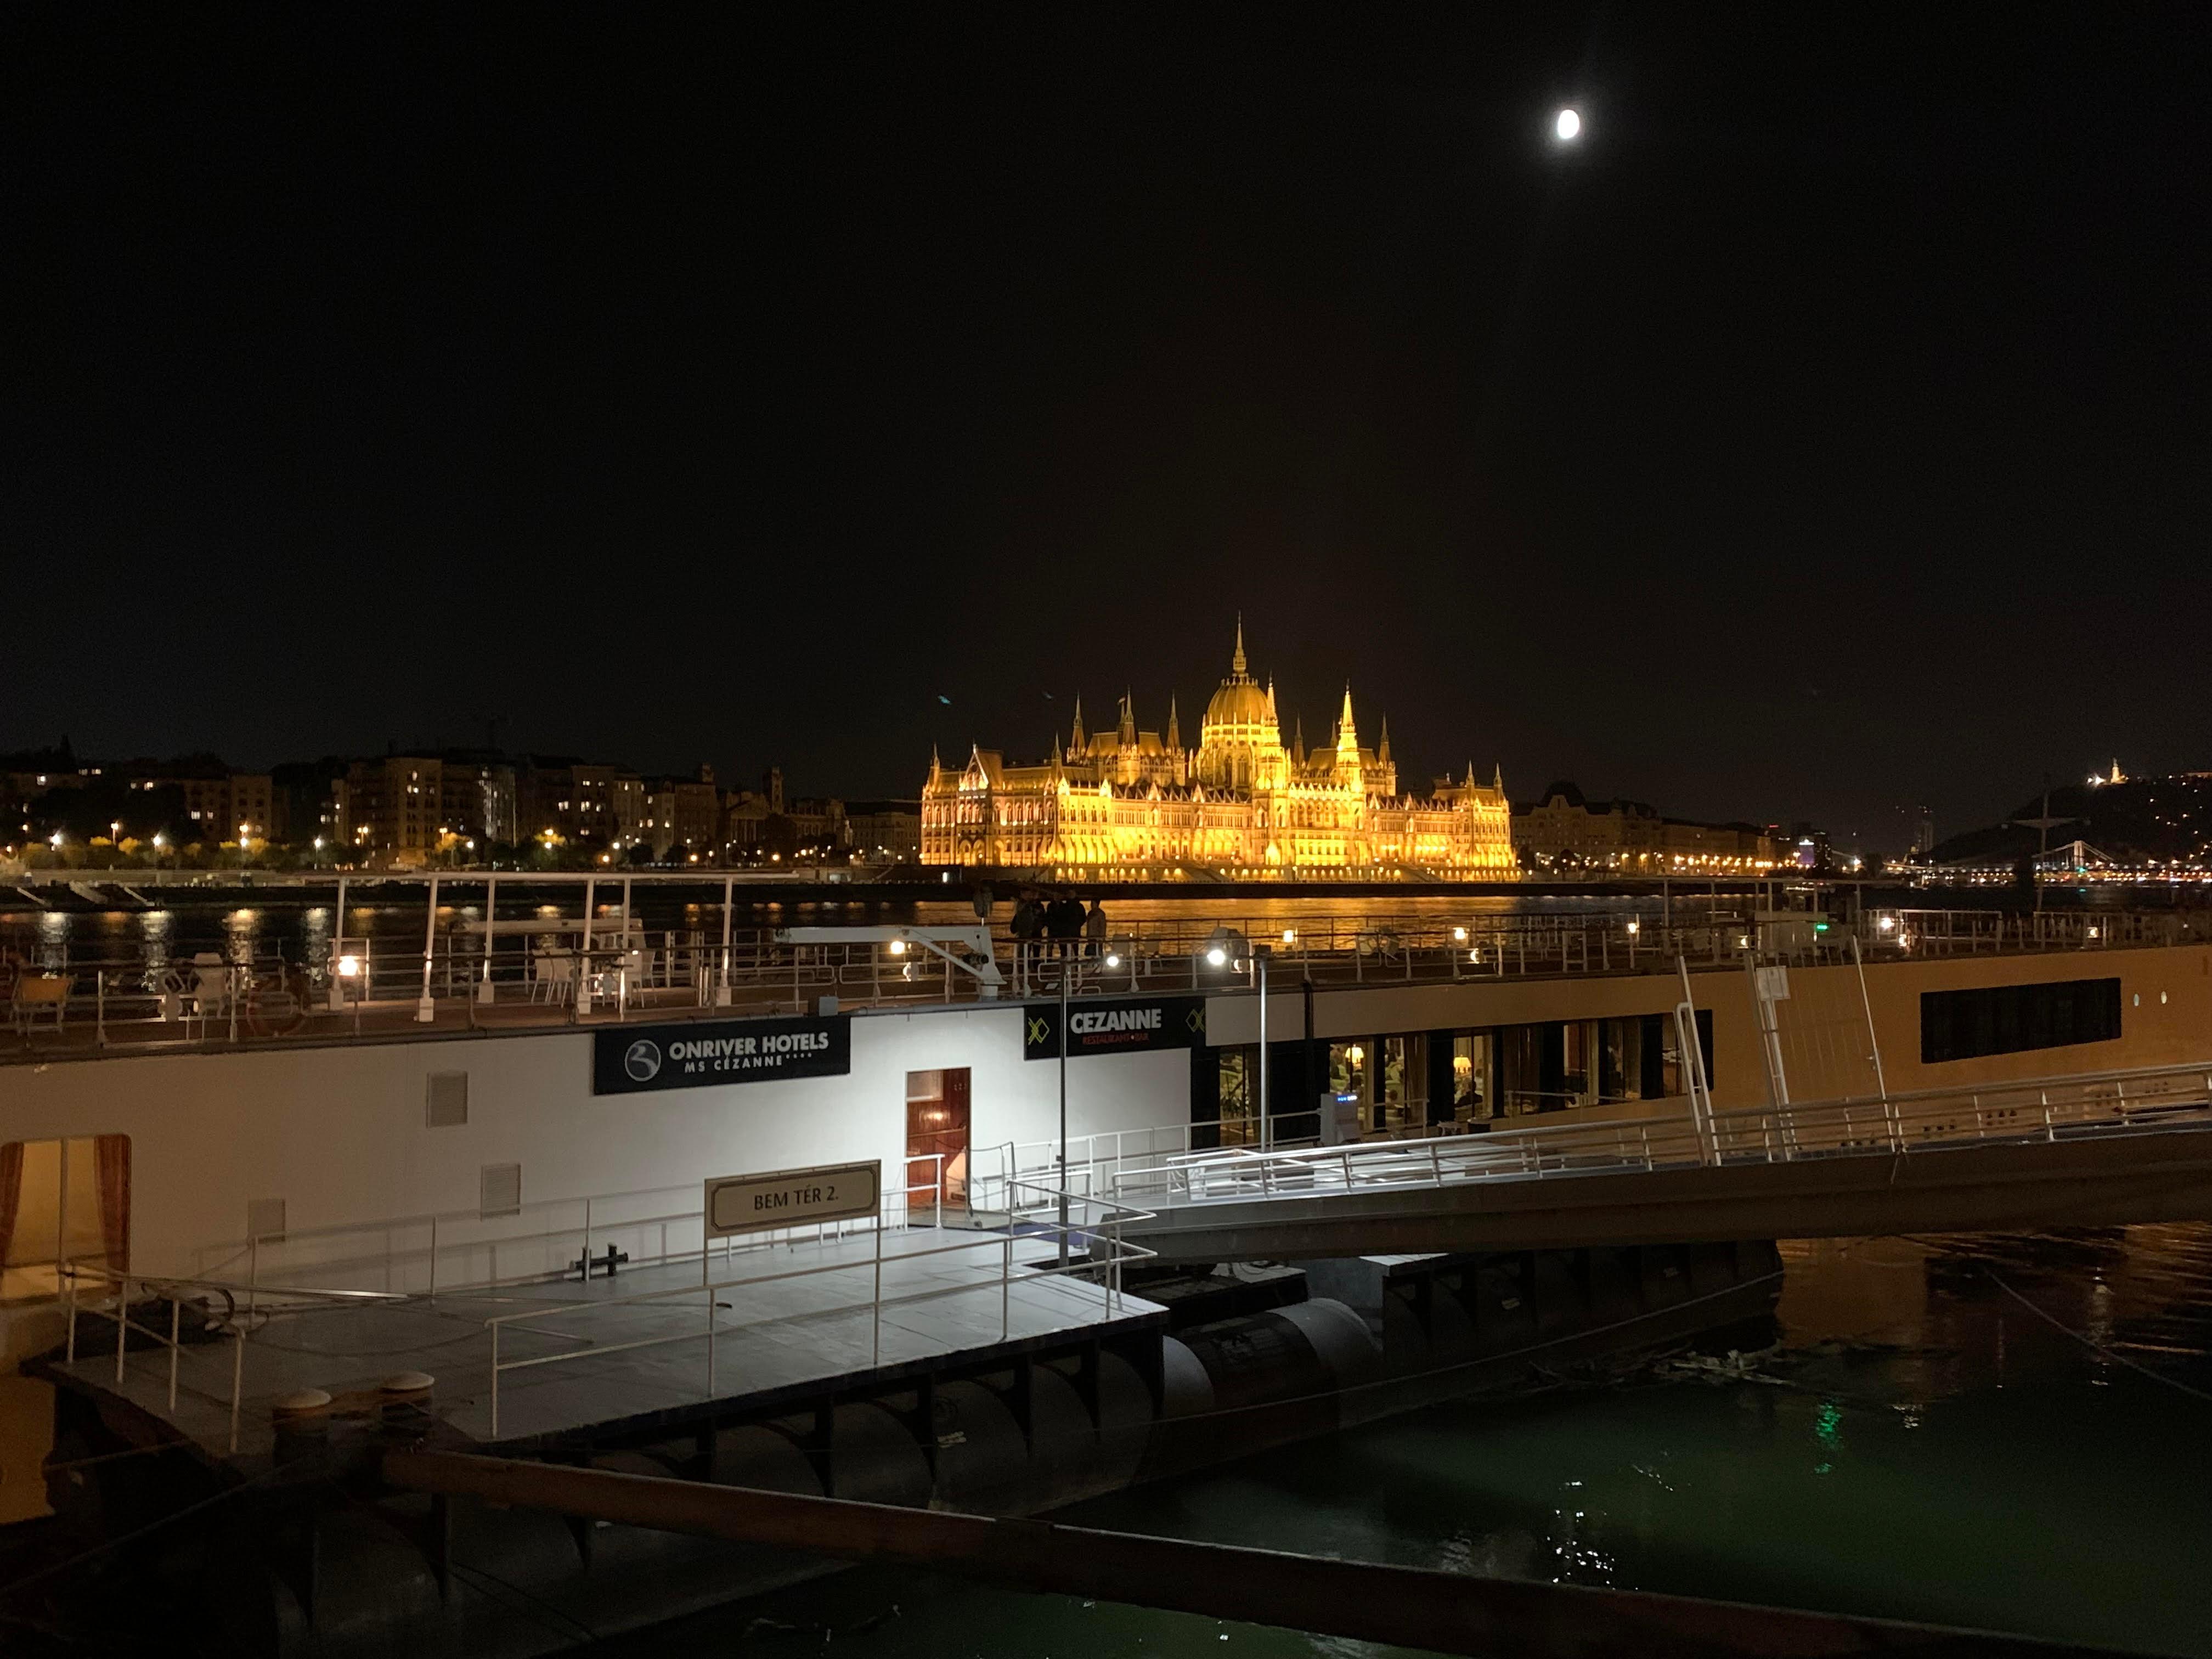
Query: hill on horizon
{"x": 2164, "y": 818}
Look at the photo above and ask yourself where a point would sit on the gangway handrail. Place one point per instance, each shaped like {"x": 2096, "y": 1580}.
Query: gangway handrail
{"x": 1925, "y": 1120}
{"x": 2199, "y": 1072}
{"x": 1381, "y": 1145}
{"x": 2124, "y": 1074}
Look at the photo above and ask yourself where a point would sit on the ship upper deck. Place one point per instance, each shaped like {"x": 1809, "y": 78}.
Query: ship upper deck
{"x": 455, "y": 974}
{"x": 527, "y": 1344}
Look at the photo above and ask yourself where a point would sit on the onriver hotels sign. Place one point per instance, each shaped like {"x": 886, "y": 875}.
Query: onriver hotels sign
{"x": 629, "y": 1059}
{"x": 793, "y": 1198}
{"x": 1114, "y": 1028}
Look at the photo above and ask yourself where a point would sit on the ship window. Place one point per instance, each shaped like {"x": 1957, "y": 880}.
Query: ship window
{"x": 1470, "y": 1073}
{"x": 1240, "y": 1090}
{"x": 1672, "y": 1081}
{"x": 1348, "y": 1072}
{"x": 2006, "y": 1019}
{"x": 1402, "y": 1084}
{"x": 61, "y": 1202}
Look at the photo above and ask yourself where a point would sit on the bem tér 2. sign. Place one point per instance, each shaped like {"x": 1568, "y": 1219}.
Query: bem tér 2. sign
{"x": 793, "y": 1198}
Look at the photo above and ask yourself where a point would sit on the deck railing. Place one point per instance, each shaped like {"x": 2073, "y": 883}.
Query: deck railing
{"x": 457, "y": 1251}
{"x": 1094, "y": 1251}
{"x": 260, "y": 1281}
{"x": 243, "y": 1309}
{"x": 60, "y": 1006}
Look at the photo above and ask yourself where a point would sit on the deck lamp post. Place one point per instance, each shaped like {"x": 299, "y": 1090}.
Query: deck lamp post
{"x": 1072, "y": 972}
{"x": 1260, "y": 953}
{"x": 1227, "y": 948}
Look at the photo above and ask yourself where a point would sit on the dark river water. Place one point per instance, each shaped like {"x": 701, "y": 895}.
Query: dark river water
{"x": 2006, "y": 1433}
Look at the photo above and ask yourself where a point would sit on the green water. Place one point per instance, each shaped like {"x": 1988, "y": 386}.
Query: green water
{"x": 1930, "y": 1446}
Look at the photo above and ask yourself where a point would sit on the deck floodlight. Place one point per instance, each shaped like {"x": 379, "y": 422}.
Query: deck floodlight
{"x": 1225, "y": 947}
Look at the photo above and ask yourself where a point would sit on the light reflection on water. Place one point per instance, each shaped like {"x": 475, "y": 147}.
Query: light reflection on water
{"x": 150, "y": 942}
{"x": 1936, "y": 1442}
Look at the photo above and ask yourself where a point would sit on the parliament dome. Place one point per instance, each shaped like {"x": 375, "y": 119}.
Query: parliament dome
{"x": 1240, "y": 702}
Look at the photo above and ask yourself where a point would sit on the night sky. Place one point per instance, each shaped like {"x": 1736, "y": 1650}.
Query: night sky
{"x": 1826, "y": 435}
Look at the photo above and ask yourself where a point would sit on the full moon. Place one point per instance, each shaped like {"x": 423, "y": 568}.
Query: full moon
{"x": 1568, "y": 126}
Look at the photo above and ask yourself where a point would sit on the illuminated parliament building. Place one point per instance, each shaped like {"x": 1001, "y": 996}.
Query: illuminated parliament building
{"x": 1137, "y": 804}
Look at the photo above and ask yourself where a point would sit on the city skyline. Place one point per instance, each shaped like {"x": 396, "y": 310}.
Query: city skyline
{"x": 1901, "y": 830}
{"x": 474, "y": 802}
{"x": 1907, "y": 829}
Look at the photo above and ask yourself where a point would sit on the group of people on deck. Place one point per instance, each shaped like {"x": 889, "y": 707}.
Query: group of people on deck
{"x": 1051, "y": 924}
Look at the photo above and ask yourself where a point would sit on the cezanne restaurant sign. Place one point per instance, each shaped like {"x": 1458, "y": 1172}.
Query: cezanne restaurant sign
{"x": 1114, "y": 1028}
{"x": 627, "y": 1060}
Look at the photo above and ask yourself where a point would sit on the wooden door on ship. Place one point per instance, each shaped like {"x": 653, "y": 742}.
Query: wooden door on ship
{"x": 937, "y": 1103}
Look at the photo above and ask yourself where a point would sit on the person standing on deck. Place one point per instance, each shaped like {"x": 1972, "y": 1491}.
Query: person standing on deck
{"x": 1063, "y": 920}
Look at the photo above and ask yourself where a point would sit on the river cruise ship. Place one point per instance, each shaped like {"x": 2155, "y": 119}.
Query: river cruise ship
{"x": 538, "y": 1082}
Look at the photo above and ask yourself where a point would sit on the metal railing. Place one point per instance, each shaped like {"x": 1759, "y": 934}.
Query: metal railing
{"x": 235, "y": 1323}
{"x": 548, "y": 974}
{"x": 411, "y": 1273}
{"x": 1031, "y": 1213}
{"x": 1894, "y": 1125}
{"x": 453, "y": 1251}
{"x": 1095, "y": 1160}
{"x": 1092, "y": 1160}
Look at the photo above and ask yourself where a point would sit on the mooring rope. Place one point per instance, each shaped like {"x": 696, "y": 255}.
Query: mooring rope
{"x": 2095, "y": 1346}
